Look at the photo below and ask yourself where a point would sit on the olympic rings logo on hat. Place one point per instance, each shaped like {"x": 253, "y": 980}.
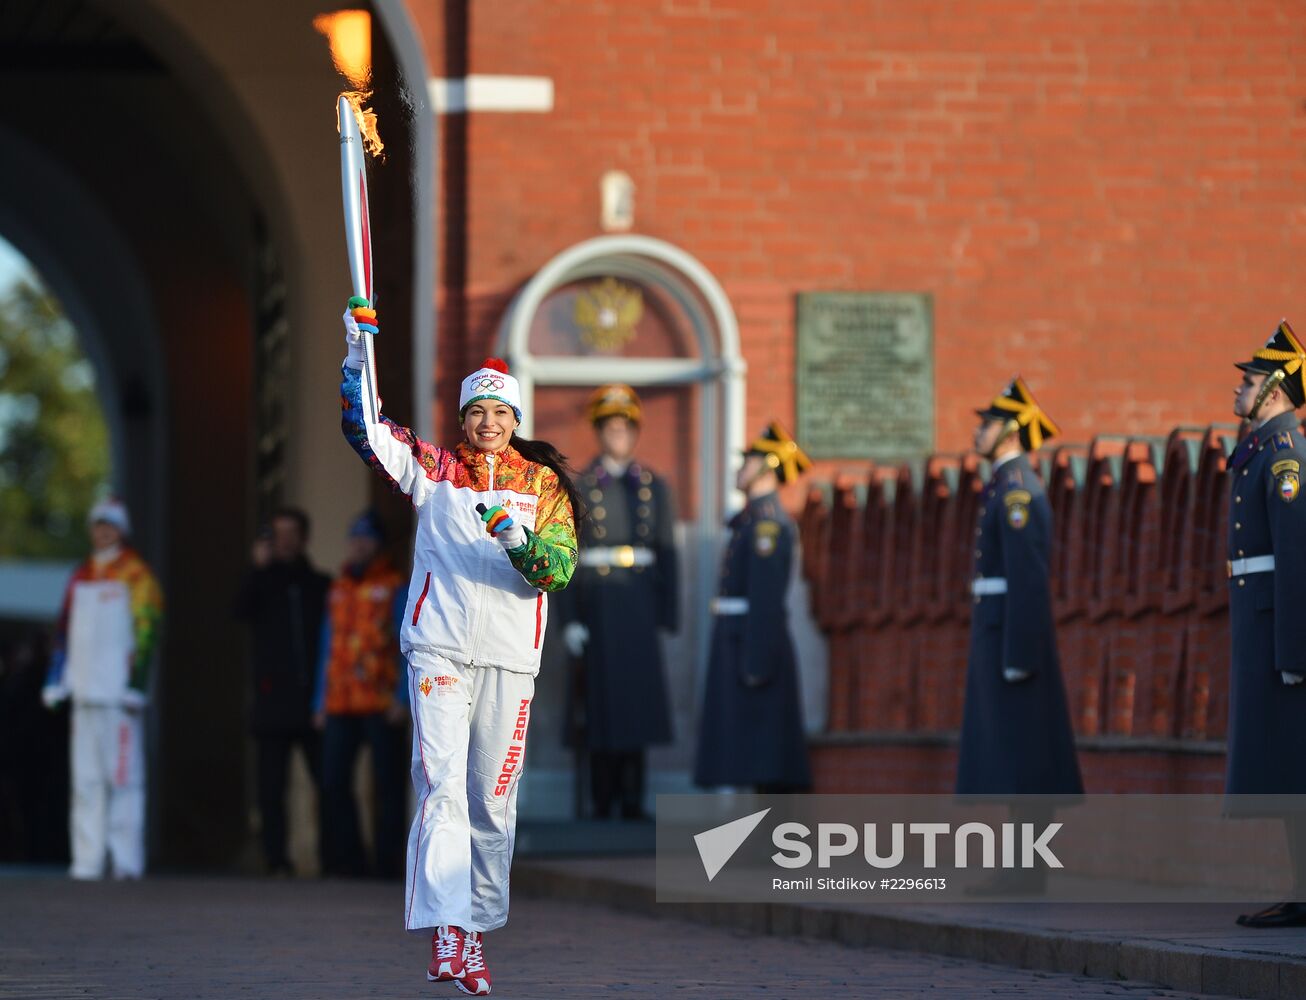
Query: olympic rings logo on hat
{"x": 493, "y": 382}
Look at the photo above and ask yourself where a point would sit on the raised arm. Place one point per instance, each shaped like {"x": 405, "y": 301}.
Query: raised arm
{"x": 393, "y": 451}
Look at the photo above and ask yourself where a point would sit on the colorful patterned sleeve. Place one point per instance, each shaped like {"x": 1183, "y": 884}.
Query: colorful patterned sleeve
{"x": 548, "y": 558}
{"x": 147, "y": 617}
{"x": 393, "y": 451}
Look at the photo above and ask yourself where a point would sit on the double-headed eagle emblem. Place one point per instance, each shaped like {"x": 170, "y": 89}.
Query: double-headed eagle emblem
{"x": 607, "y": 312}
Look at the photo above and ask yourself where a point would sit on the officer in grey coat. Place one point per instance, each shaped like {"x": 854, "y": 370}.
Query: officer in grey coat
{"x": 752, "y": 724}
{"x": 1267, "y": 594}
{"x": 1016, "y": 737}
{"x": 625, "y": 592}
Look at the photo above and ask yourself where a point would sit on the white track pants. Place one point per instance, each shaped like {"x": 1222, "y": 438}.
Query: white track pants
{"x": 108, "y": 807}
{"x": 469, "y": 745}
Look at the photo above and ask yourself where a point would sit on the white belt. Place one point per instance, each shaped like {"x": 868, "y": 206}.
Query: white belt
{"x": 617, "y": 555}
{"x": 987, "y": 586}
{"x": 730, "y": 605}
{"x": 1253, "y": 564}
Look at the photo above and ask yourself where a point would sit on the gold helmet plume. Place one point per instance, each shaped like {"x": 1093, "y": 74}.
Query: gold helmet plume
{"x": 1017, "y": 406}
{"x": 781, "y": 451}
{"x": 1283, "y": 360}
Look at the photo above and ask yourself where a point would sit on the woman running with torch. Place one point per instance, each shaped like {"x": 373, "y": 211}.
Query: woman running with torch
{"x": 495, "y": 532}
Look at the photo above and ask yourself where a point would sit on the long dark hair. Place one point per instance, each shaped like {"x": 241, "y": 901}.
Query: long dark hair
{"x": 543, "y": 453}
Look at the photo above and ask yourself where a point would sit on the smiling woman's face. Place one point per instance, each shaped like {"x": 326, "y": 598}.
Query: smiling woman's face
{"x": 489, "y": 424}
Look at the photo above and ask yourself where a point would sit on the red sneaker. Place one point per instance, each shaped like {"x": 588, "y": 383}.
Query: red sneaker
{"x": 446, "y": 953}
{"x": 476, "y": 977}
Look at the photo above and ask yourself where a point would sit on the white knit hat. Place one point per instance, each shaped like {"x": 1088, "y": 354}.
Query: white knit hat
{"x": 111, "y": 511}
{"x": 491, "y": 381}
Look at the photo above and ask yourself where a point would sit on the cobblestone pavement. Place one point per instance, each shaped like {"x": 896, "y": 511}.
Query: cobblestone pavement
{"x": 175, "y": 938}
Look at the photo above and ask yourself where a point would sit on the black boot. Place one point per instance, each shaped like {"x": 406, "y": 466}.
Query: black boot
{"x": 1278, "y": 915}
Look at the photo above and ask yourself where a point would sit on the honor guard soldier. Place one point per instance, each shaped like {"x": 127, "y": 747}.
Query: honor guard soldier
{"x": 1267, "y": 590}
{"x": 1016, "y": 737}
{"x": 625, "y": 591}
{"x": 752, "y": 723}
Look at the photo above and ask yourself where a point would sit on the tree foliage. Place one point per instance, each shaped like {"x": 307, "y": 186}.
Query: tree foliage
{"x": 54, "y": 446}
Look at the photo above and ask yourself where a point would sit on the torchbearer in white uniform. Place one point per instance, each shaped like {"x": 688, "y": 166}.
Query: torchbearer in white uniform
{"x": 104, "y": 648}
{"x": 496, "y": 534}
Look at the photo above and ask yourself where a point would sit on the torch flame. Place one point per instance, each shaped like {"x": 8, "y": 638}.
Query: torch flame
{"x": 366, "y": 119}
{"x": 349, "y": 33}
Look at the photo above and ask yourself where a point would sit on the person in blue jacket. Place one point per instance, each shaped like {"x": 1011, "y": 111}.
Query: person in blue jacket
{"x": 1016, "y": 737}
{"x": 752, "y": 723}
{"x": 1267, "y": 591}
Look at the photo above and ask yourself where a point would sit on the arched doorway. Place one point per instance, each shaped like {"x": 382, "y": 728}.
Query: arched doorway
{"x": 200, "y": 253}
{"x": 90, "y": 265}
{"x": 641, "y": 311}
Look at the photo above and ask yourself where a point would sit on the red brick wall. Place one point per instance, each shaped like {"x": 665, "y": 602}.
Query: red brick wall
{"x": 1107, "y": 196}
{"x": 1140, "y": 599}
{"x": 883, "y": 766}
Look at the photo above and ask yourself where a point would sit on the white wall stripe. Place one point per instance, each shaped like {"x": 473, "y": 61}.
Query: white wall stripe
{"x": 533, "y": 94}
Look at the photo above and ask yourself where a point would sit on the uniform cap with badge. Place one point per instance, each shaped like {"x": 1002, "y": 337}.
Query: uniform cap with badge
{"x": 615, "y": 400}
{"x": 1283, "y": 360}
{"x": 1021, "y": 414}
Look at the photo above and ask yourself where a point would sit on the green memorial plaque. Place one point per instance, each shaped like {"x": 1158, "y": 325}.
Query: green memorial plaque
{"x": 866, "y": 375}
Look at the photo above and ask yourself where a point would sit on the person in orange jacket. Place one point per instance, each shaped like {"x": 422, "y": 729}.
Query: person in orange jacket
{"x": 362, "y": 695}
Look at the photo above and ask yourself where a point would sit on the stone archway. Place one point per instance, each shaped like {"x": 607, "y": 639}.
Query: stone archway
{"x": 92, "y": 270}
{"x": 207, "y": 157}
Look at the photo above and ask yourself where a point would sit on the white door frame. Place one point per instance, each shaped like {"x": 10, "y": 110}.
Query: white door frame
{"x": 718, "y": 370}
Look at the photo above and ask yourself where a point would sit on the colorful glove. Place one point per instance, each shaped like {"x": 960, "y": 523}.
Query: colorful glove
{"x": 359, "y": 319}
{"x": 500, "y": 525}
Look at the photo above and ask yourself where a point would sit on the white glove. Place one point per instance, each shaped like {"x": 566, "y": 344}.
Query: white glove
{"x": 353, "y": 342}
{"x": 512, "y": 537}
{"x": 508, "y": 532}
{"x": 1292, "y": 678}
{"x": 53, "y": 695}
{"x": 134, "y": 701}
{"x": 575, "y": 635}
{"x": 1013, "y": 675}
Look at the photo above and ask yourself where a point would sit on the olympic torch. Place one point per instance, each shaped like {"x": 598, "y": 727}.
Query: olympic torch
{"x": 358, "y": 237}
